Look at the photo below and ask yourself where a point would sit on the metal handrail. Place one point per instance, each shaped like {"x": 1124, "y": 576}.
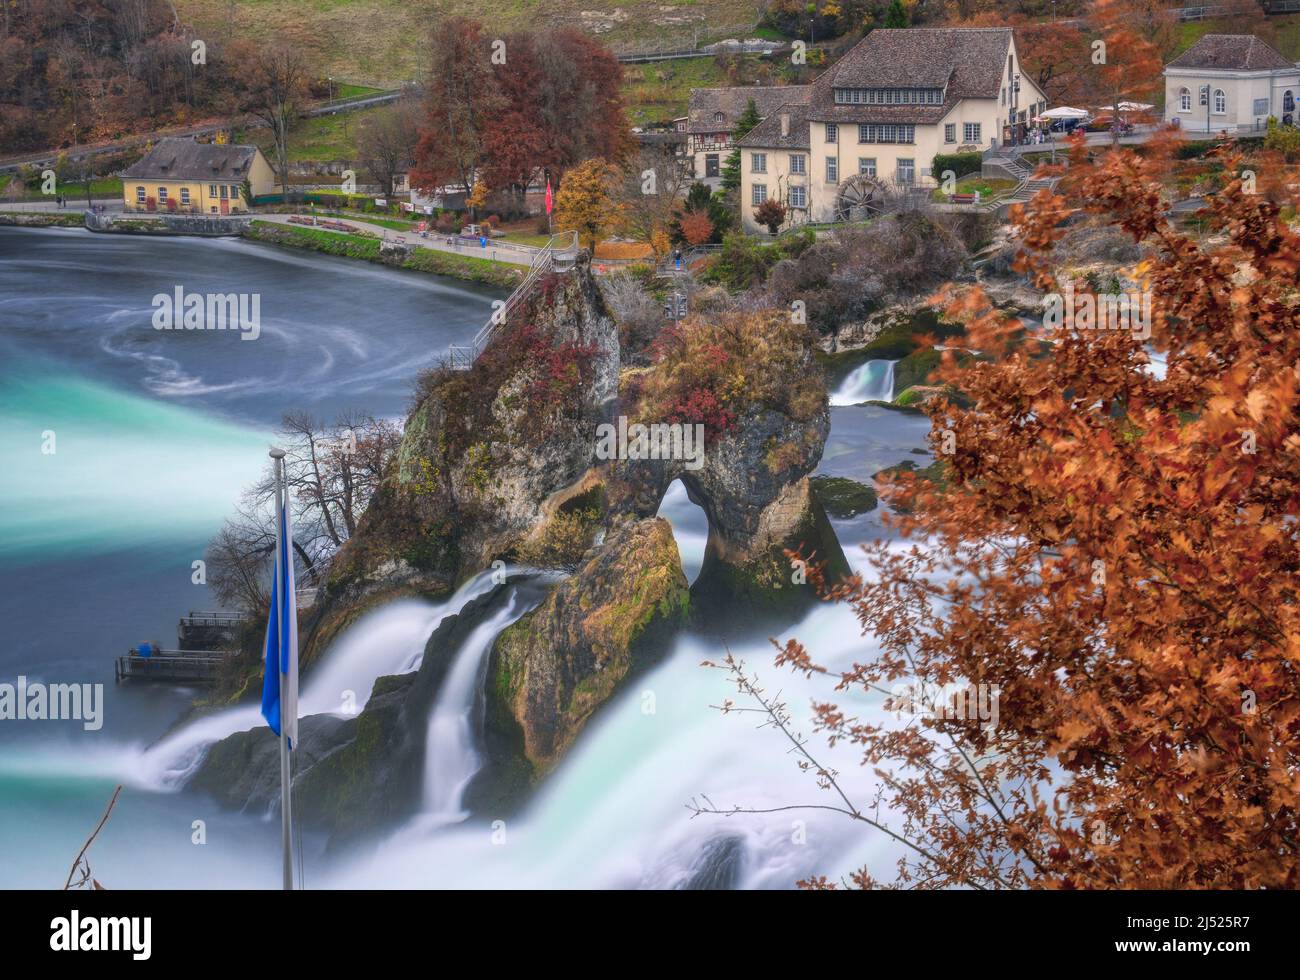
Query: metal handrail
{"x": 463, "y": 357}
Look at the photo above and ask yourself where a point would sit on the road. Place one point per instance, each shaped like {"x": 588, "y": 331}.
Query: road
{"x": 203, "y": 129}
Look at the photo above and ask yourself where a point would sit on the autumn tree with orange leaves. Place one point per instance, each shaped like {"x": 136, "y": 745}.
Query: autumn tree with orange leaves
{"x": 1115, "y": 553}
{"x": 1127, "y": 65}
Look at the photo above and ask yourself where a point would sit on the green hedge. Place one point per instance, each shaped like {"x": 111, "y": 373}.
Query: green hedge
{"x": 960, "y": 164}
{"x": 309, "y": 197}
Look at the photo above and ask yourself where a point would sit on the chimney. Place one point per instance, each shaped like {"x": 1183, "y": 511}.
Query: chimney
{"x": 785, "y": 124}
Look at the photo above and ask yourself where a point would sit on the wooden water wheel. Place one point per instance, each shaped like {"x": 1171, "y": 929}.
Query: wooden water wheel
{"x": 857, "y": 199}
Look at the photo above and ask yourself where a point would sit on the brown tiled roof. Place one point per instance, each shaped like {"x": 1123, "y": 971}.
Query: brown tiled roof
{"x": 969, "y": 62}
{"x": 180, "y": 158}
{"x": 731, "y": 102}
{"x": 1240, "y": 52}
{"x": 767, "y": 134}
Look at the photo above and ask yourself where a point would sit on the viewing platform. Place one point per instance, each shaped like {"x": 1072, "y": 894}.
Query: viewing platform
{"x": 175, "y": 666}
{"x": 204, "y": 641}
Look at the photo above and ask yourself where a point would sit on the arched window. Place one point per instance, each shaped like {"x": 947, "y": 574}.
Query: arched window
{"x": 718, "y": 117}
{"x": 1288, "y": 101}
{"x": 139, "y": 195}
{"x": 1220, "y": 101}
{"x": 1185, "y": 99}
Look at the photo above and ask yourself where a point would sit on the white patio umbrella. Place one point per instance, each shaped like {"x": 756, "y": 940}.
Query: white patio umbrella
{"x": 1066, "y": 112}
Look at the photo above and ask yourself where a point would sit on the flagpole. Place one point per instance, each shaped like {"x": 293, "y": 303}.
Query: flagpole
{"x": 286, "y": 816}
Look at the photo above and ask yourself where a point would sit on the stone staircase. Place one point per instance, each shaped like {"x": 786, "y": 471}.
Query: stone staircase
{"x": 1007, "y": 159}
{"x": 1028, "y": 188}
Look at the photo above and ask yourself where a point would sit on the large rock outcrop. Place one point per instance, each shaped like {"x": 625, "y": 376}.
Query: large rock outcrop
{"x": 484, "y": 456}
{"x": 553, "y": 668}
{"x": 494, "y": 458}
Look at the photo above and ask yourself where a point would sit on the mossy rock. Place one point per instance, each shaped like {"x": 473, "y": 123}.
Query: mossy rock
{"x": 936, "y": 473}
{"x": 915, "y": 368}
{"x": 898, "y": 339}
{"x": 909, "y": 397}
{"x": 550, "y": 671}
{"x": 894, "y": 406}
{"x": 843, "y": 497}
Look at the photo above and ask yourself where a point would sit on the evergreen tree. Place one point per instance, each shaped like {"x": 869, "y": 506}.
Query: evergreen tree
{"x": 896, "y": 15}
{"x": 731, "y": 169}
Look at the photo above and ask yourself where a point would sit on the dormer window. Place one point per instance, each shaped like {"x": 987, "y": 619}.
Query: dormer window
{"x": 889, "y": 96}
{"x": 718, "y": 117}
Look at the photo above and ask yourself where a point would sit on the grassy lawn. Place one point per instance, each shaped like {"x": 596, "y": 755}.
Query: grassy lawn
{"x": 381, "y": 42}
{"x": 346, "y": 91}
{"x": 366, "y": 247}
{"x": 525, "y": 238}
{"x": 105, "y": 187}
{"x": 394, "y": 224}
{"x": 322, "y": 138}
{"x": 660, "y": 91}
{"x": 986, "y": 186}
{"x": 1282, "y": 32}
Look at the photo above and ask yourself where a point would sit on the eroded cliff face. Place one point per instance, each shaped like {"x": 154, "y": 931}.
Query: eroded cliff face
{"x": 483, "y": 454}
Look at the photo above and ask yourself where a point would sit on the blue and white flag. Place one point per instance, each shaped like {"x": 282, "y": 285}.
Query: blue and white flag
{"x": 280, "y": 700}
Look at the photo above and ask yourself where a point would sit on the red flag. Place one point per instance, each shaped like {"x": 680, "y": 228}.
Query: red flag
{"x": 548, "y": 195}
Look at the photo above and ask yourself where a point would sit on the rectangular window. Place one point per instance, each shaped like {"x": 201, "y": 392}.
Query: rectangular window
{"x": 139, "y": 195}
{"x": 832, "y": 133}
{"x": 950, "y": 132}
{"x": 832, "y": 170}
{"x": 865, "y": 132}
{"x": 798, "y": 196}
{"x": 234, "y": 192}
{"x": 906, "y": 172}
{"x": 758, "y": 194}
{"x": 867, "y": 166}
{"x": 797, "y": 165}
{"x": 162, "y": 193}
{"x": 970, "y": 133}
{"x": 758, "y": 163}
{"x": 212, "y": 190}
{"x": 185, "y": 195}
{"x": 223, "y": 191}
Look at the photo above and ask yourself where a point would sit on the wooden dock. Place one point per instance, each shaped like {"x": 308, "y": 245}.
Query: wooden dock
{"x": 174, "y": 666}
{"x": 208, "y": 629}
{"x": 204, "y": 641}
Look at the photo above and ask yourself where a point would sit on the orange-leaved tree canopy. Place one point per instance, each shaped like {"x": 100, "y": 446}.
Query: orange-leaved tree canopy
{"x": 1113, "y": 554}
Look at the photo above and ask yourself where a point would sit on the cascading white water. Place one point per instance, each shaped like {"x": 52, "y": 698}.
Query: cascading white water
{"x": 872, "y": 381}
{"x": 389, "y": 640}
{"x": 613, "y": 814}
{"x": 452, "y": 756}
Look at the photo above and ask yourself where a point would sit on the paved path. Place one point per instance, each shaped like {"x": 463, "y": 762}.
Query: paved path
{"x": 496, "y": 252}
{"x": 76, "y": 204}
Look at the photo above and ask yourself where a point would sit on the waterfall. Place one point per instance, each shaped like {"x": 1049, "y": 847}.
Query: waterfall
{"x": 613, "y": 813}
{"x": 389, "y": 640}
{"x": 872, "y": 381}
{"x": 452, "y": 755}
